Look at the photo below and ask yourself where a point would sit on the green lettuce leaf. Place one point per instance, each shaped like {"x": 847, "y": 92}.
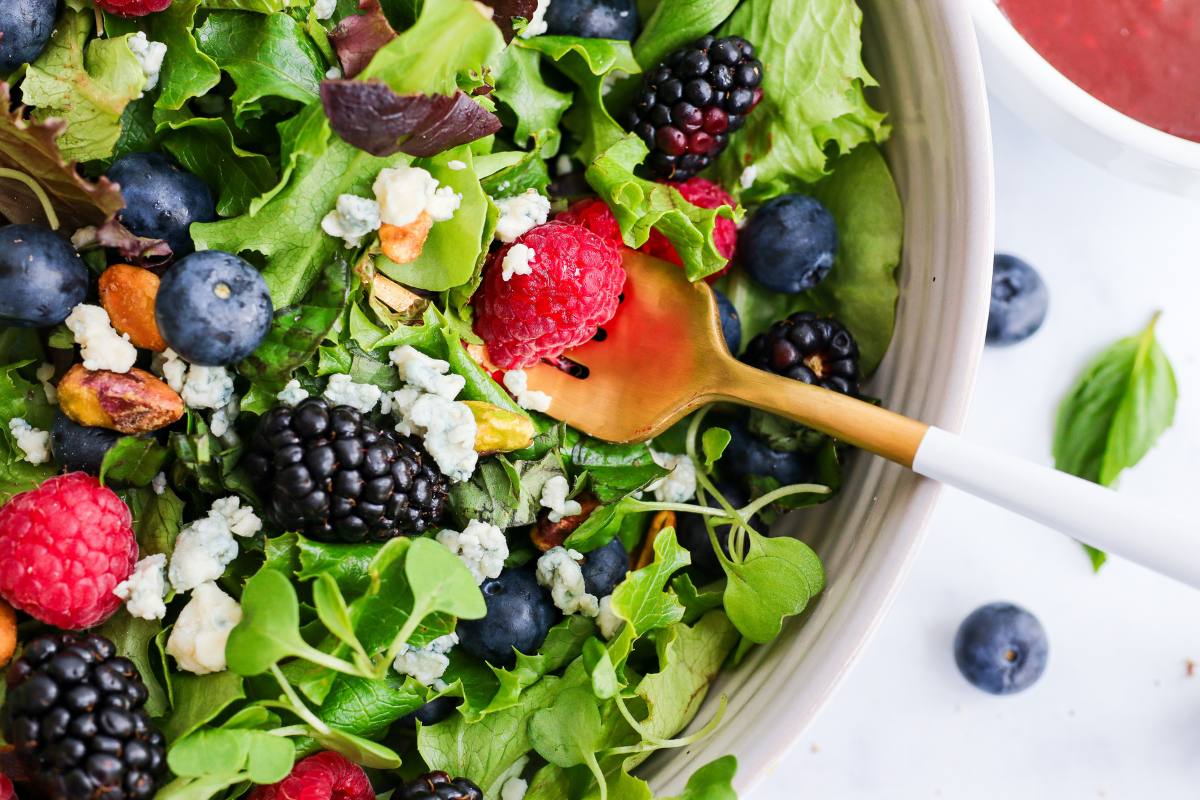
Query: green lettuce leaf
{"x": 813, "y": 92}
{"x": 528, "y": 105}
{"x": 186, "y": 72}
{"x": 20, "y": 398}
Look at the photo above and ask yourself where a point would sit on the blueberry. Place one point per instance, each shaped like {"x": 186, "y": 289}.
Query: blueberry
{"x": 79, "y": 448}
{"x": 693, "y": 533}
{"x": 731, "y": 322}
{"x": 519, "y": 615}
{"x": 749, "y": 455}
{"x": 162, "y": 200}
{"x": 433, "y": 712}
{"x": 213, "y": 308}
{"x": 1001, "y": 648}
{"x": 41, "y": 277}
{"x": 593, "y": 19}
{"x": 25, "y": 28}
{"x": 789, "y": 244}
{"x": 1020, "y": 301}
{"x": 605, "y": 567}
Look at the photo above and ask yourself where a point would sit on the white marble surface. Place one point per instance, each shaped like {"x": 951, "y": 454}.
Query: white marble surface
{"x": 1116, "y": 715}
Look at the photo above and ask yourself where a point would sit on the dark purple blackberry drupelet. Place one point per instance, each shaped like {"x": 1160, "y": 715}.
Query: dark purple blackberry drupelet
{"x": 74, "y": 713}
{"x": 689, "y": 104}
{"x": 334, "y": 476}
{"x": 810, "y": 349}
{"x": 439, "y": 786}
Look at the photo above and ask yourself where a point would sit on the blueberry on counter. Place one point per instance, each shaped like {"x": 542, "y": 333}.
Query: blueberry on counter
{"x": 162, "y": 200}
{"x": 25, "y": 28}
{"x": 519, "y": 615}
{"x": 731, "y": 322}
{"x": 593, "y": 19}
{"x": 79, "y": 448}
{"x": 1020, "y": 301}
{"x": 605, "y": 567}
{"x": 789, "y": 244}
{"x": 41, "y": 277}
{"x": 1001, "y": 648}
{"x": 213, "y": 308}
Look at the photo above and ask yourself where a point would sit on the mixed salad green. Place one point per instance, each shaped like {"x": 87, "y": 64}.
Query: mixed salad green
{"x": 253, "y": 98}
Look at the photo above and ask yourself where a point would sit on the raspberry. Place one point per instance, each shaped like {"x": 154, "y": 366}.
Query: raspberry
{"x": 324, "y": 776}
{"x": 704, "y": 194}
{"x": 132, "y": 8}
{"x": 6, "y": 789}
{"x": 595, "y": 215}
{"x": 572, "y": 289}
{"x": 64, "y": 547}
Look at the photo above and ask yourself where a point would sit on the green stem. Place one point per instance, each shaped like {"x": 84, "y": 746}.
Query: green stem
{"x": 598, "y": 774}
{"x": 38, "y": 192}
{"x": 334, "y": 663}
{"x": 406, "y": 631}
{"x": 751, "y": 509}
{"x": 291, "y": 730}
{"x": 298, "y": 706}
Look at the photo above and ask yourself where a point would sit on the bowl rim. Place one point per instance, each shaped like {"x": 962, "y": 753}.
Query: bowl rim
{"x": 994, "y": 26}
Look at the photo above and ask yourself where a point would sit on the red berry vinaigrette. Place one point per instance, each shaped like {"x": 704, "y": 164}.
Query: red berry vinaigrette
{"x": 1142, "y": 57}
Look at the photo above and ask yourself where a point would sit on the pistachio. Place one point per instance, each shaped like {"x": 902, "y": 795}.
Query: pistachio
{"x": 393, "y": 295}
{"x": 127, "y": 294}
{"x": 498, "y": 430}
{"x": 547, "y": 535}
{"x": 403, "y": 243}
{"x": 8, "y": 632}
{"x": 133, "y": 402}
{"x": 658, "y": 523}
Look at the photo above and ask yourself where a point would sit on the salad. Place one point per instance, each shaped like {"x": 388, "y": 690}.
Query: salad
{"x": 281, "y": 515}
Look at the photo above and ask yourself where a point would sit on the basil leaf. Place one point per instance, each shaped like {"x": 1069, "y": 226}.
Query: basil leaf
{"x": 133, "y": 460}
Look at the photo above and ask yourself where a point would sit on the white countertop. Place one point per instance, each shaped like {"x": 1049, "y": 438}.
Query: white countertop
{"x": 1116, "y": 714}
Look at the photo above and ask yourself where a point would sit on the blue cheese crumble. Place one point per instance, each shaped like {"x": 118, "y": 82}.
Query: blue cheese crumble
{"x": 353, "y": 218}
{"x": 554, "y": 497}
{"x": 343, "y": 391}
{"x": 517, "y": 261}
{"x": 517, "y": 382}
{"x": 144, "y": 591}
{"x": 481, "y": 546}
{"x": 34, "y": 443}
{"x": 102, "y": 347}
{"x": 680, "y": 485}
{"x": 198, "y": 638}
{"x": 520, "y": 214}
{"x": 429, "y": 663}
{"x": 559, "y": 571}
{"x": 204, "y": 548}
{"x": 293, "y": 393}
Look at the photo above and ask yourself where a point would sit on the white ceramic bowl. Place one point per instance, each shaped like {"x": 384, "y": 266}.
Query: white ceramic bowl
{"x": 1028, "y": 85}
{"x": 924, "y": 53}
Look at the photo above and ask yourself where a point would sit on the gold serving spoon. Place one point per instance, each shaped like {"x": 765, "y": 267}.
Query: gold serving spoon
{"x": 663, "y": 356}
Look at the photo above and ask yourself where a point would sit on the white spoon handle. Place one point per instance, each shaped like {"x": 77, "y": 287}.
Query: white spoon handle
{"x": 1158, "y": 538}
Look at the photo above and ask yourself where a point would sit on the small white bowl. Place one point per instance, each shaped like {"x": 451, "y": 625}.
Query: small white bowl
{"x": 1028, "y": 85}
{"x": 924, "y": 54}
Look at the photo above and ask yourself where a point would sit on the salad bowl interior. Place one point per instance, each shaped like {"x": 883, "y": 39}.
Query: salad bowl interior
{"x": 925, "y": 56}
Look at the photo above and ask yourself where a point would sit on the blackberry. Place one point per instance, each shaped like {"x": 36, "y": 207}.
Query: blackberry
{"x": 333, "y": 475}
{"x": 809, "y": 349}
{"x": 74, "y": 713}
{"x": 689, "y": 104}
{"x": 439, "y": 786}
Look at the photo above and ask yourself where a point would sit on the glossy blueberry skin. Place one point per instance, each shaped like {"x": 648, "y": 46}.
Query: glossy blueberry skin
{"x": 593, "y": 19}
{"x": 79, "y": 448}
{"x": 731, "y": 322}
{"x": 693, "y": 533}
{"x": 433, "y": 712}
{"x": 213, "y": 308}
{"x": 519, "y": 615}
{"x": 789, "y": 244}
{"x": 605, "y": 567}
{"x": 41, "y": 277}
{"x": 162, "y": 200}
{"x": 748, "y": 455}
{"x": 1020, "y": 301}
{"x": 25, "y": 28}
{"x": 1001, "y": 648}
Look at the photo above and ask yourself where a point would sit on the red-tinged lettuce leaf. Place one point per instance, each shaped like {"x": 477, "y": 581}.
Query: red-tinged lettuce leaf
{"x": 134, "y": 249}
{"x": 506, "y": 11}
{"x": 31, "y": 148}
{"x": 356, "y": 39}
{"x": 370, "y": 116}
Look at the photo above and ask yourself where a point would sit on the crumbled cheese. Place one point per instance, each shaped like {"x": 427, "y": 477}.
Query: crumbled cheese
{"x": 514, "y": 788}
{"x": 448, "y": 430}
{"x": 334, "y": 74}
{"x": 559, "y": 571}
{"x": 517, "y": 261}
{"x": 207, "y": 387}
{"x": 425, "y": 373}
{"x": 429, "y": 663}
{"x": 607, "y": 620}
{"x": 149, "y": 56}
{"x": 520, "y": 214}
{"x": 198, "y": 639}
{"x": 292, "y": 394}
{"x": 680, "y": 485}
{"x": 482, "y": 547}
{"x": 171, "y": 368}
{"x": 323, "y": 9}
{"x": 404, "y": 193}
{"x": 144, "y": 590}
{"x": 34, "y": 443}
{"x": 159, "y": 484}
{"x": 537, "y": 23}
{"x": 456, "y": 165}
{"x": 205, "y": 547}
{"x": 353, "y": 218}
{"x": 102, "y": 347}
{"x": 749, "y": 176}
{"x": 554, "y": 497}
{"x": 45, "y": 374}
{"x": 221, "y": 422}
{"x": 563, "y": 165}
{"x": 343, "y": 391}
{"x": 517, "y": 382}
